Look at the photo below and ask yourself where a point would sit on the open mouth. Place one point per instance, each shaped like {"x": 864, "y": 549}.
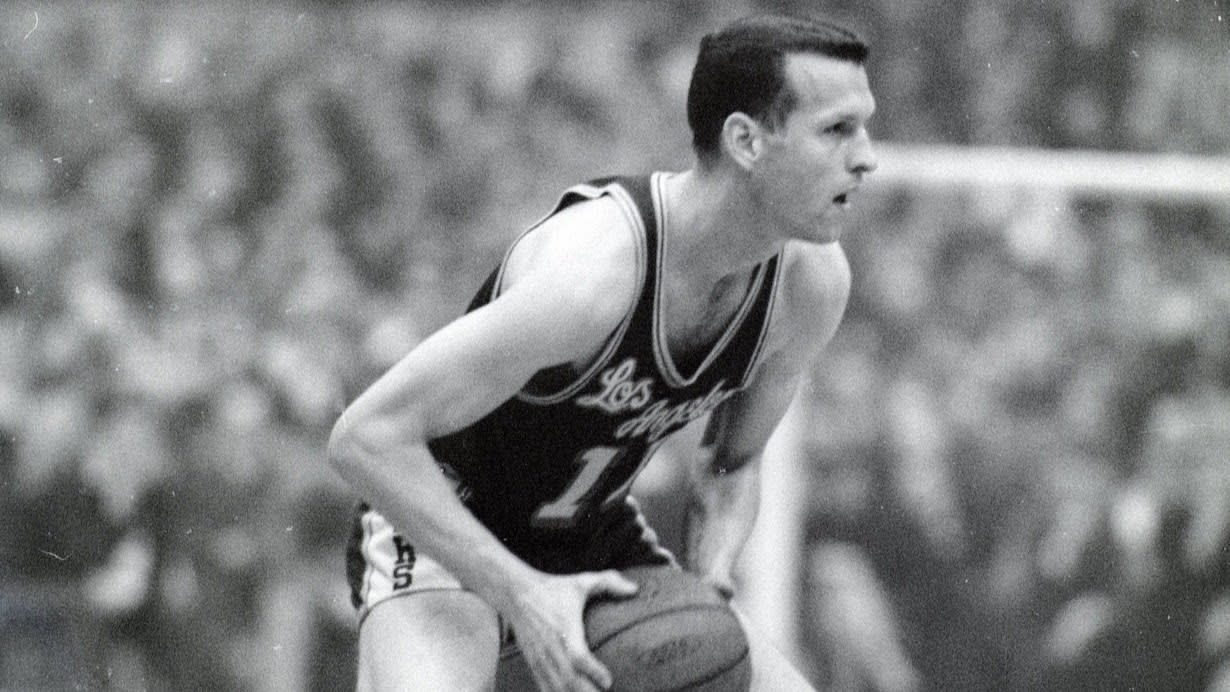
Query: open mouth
{"x": 841, "y": 199}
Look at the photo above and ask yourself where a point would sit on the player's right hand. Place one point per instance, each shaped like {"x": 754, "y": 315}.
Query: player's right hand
{"x": 550, "y": 630}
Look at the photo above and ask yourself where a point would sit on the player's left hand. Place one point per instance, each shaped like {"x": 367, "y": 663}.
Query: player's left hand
{"x": 550, "y": 629}
{"x": 721, "y": 580}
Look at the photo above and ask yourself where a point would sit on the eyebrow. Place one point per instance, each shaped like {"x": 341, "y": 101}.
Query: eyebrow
{"x": 848, "y": 112}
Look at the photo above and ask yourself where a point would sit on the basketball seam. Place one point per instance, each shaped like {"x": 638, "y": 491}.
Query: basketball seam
{"x": 692, "y": 685}
{"x": 611, "y": 635}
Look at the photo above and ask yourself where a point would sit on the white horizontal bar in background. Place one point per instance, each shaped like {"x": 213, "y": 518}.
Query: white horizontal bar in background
{"x": 1160, "y": 176}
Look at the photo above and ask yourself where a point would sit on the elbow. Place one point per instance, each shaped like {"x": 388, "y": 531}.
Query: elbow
{"x": 364, "y": 446}
{"x": 346, "y": 451}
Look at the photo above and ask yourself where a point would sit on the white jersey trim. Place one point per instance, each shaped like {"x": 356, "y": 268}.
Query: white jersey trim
{"x": 666, "y": 364}
{"x": 763, "y": 339}
{"x": 628, "y": 206}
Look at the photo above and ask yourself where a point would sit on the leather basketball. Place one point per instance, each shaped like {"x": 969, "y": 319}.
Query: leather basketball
{"x": 677, "y": 633}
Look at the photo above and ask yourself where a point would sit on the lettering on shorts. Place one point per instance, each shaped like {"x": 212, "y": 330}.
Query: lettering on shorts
{"x": 403, "y": 566}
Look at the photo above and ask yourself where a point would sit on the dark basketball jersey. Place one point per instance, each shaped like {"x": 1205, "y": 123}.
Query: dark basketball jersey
{"x": 554, "y": 463}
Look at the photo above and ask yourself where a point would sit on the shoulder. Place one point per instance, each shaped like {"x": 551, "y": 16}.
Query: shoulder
{"x": 816, "y": 272}
{"x": 816, "y": 282}
{"x": 812, "y": 296}
{"x": 583, "y": 261}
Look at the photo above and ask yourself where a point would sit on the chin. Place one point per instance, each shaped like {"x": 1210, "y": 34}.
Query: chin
{"x": 822, "y": 234}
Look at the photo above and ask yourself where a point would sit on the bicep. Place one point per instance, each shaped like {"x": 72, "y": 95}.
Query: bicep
{"x": 449, "y": 380}
{"x": 468, "y": 368}
{"x": 564, "y": 302}
{"x": 738, "y": 431}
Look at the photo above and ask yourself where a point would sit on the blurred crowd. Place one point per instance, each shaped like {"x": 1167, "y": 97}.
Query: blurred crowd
{"x": 219, "y": 222}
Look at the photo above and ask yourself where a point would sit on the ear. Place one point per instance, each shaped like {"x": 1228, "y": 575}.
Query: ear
{"x": 742, "y": 139}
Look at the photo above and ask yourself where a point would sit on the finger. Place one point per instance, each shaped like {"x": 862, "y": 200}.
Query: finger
{"x": 612, "y": 583}
{"x": 544, "y": 671}
{"x": 725, "y": 588}
{"x": 587, "y": 665}
{"x": 542, "y": 680}
{"x": 724, "y": 585}
{"x": 595, "y": 674}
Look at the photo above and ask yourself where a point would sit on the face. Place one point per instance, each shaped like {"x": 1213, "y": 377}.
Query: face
{"x": 811, "y": 165}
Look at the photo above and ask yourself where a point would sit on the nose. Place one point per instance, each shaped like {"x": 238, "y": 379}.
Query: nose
{"x": 862, "y": 158}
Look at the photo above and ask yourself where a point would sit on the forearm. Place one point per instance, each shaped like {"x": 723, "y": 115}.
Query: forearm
{"x": 404, "y": 482}
{"x": 720, "y": 514}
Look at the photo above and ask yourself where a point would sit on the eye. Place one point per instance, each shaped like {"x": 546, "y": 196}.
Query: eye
{"x": 842, "y": 128}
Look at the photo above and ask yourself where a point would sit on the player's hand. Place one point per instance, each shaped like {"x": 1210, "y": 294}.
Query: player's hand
{"x": 550, "y": 629}
{"x": 722, "y": 581}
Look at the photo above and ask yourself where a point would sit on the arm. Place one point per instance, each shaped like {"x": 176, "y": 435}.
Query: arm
{"x": 725, "y": 479}
{"x": 574, "y": 288}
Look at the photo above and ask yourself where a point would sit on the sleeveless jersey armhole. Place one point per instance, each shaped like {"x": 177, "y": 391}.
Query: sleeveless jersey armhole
{"x": 634, "y": 224}
{"x": 774, "y": 274}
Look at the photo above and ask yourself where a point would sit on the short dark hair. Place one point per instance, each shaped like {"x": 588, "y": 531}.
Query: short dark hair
{"x": 741, "y": 69}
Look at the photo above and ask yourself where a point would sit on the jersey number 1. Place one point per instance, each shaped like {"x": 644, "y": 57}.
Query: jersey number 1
{"x": 593, "y": 462}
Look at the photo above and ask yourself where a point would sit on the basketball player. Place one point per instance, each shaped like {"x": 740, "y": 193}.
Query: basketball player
{"x": 497, "y": 455}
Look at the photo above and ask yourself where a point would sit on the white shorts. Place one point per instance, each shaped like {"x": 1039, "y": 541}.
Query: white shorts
{"x": 387, "y": 566}
{"x": 381, "y": 564}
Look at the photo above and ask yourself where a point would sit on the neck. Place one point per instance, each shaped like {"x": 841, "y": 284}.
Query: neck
{"x": 713, "y": 224}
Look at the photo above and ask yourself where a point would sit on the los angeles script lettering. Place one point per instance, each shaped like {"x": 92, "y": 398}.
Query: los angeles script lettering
{"x": 622, "y": 392}
{"x": 619, "y": 393}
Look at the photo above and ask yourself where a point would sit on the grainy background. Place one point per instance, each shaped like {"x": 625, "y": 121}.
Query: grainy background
{"x": 220, "y": 221}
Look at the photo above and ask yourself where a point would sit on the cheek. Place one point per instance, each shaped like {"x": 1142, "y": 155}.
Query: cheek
{"x": 812, "y": 180}
{"x": 812, "y": 162}
{"x": 797, "y": 172}
{"x": 800, "y": 177}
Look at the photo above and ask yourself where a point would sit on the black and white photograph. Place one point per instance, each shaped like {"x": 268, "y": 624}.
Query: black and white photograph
{"x": 573, "y": 346}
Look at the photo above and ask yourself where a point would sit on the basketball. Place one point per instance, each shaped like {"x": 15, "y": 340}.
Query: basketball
{"x": 676, "y": 633}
